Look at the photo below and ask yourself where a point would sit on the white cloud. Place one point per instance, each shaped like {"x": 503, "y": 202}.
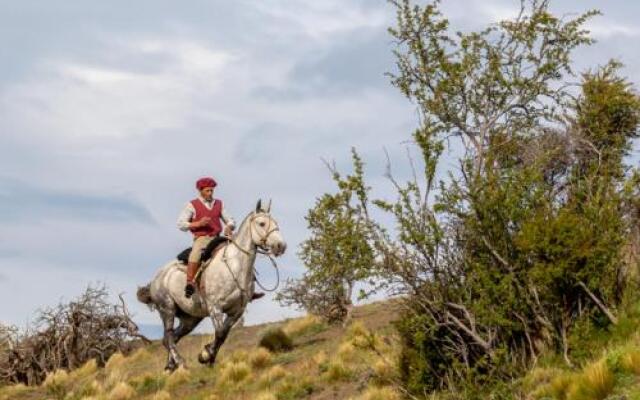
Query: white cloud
{"x": 320, "y": 19}
{"x": 604, "y": 29}
{"x": 76, "y": 99}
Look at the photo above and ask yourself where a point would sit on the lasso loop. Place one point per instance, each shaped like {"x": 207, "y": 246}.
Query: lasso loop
{"x": 275, "y": 266}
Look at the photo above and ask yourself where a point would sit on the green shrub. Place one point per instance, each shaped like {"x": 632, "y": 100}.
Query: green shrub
{"x": 275, "y": 340}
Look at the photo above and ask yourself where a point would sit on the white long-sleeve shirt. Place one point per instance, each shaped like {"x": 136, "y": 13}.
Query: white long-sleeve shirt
{"x": 188, "y": 212}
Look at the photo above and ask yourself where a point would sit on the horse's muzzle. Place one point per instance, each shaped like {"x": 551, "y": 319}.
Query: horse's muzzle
{"x": 278, "y": 248}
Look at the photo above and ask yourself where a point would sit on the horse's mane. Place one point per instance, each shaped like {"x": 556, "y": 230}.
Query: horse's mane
{"x": 244, "y": 221}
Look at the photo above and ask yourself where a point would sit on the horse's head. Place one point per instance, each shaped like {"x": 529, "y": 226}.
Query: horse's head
{"x": 265, "y": 232}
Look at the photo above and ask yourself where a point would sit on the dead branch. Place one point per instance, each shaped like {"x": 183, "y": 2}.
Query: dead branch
{"x": 66, "y": 337}
{"x": 599, "y": 303}
{"x": 471, "y": 331}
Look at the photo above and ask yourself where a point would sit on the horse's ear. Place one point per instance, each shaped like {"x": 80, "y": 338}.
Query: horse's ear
{"x": 259, "y": 205}
{"x": 269, "y": 206}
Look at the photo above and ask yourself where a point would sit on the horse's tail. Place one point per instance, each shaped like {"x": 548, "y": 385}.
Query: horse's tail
{"x": 144, "y": 295}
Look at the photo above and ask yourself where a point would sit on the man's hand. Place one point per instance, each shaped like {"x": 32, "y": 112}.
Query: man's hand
{"x": 202, "y": 222}
{"x": 228, "y": 230}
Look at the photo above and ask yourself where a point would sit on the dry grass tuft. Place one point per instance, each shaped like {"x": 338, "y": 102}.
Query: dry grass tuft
{"x": 87, "y": 389}
{"x": 557, "y": 387}
{"x": 114, "y": 377}
{"x": 88, "y": 369}
{"x": 375, "y": 393}
{"x": 320, "y": 357}
{"x": 13, "y": 390}
{"x": 384, "y": 371}
{"x": 162, "y": 395}
{"x": 346, "y": 352}
{"x": 337, "y": 371}
{"x": 631, "y": 361}
{"x": 546, "y": 382}
{"x": 271, "y": 376}
{"x": 178, "y": 377}
{"x": 57, "y": 383}
{"x": 235, "y": 372}
{"x": 116, "y": 361}
{"x": 266, "y": 396}
{"x": 238, "y": 356}
{"x": 361, "y": 337}
{"x": 300, "y": 326}
{"x": 122, "y": 391}
{"x": 295, "y": 387}
{"x": 595, "y": 383}
{"x": 142, "y": 354}
{"x": 260, "y": 358}
{"x": 356, "y": 329}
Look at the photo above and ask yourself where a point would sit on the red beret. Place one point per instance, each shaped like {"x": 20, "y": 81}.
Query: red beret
{"x": 205, "y": 183}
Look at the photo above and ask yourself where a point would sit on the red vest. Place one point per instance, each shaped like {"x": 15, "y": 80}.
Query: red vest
{"x": 214, "y": 227}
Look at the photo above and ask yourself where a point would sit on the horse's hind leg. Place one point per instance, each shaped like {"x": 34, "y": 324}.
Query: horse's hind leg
{"x": 222, "y": 327}
{"x": 187, "y": 324}
{"x": 173, "y": 359}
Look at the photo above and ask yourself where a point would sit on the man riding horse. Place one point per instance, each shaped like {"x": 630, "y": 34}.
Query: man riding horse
{"x": 202, "y": 217}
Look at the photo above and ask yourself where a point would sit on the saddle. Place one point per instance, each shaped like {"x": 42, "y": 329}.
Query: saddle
{"x": 207, "y": 253}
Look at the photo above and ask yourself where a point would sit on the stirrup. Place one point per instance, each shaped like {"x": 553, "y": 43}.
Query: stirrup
{"x": 189, "y": 289}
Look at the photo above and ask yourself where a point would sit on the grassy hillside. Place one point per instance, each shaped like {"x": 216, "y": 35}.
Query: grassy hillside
{"x": 607, "y": 365}
{"x": 325, "y": 363}
{"x": 330, "y": 362}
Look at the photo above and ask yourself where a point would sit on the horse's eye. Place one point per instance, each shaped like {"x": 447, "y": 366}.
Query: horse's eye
{"x": 262, "y": 224}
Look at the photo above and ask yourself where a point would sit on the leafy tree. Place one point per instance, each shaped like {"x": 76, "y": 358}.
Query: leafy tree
{"x": 338, "y": 253}
{"x": 502, "y": 259}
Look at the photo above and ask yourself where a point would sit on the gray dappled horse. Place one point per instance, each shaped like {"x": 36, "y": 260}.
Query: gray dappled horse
{"x": 227, "y": 285}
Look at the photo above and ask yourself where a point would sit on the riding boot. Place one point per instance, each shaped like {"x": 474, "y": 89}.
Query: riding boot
{"x": 257, "y": 295}
{"x": 190, "y": 288}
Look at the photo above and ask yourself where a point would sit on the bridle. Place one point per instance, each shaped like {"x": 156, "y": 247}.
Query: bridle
{"x": 261, "y": 248}
{"x": 262, "y": 243}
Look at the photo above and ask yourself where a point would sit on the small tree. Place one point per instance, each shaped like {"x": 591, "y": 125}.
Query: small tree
{"x": 338, "y": 254}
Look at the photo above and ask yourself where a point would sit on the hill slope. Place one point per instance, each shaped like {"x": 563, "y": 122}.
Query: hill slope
{"x": 326, "y": 362}
{"x": 331, "y": 362}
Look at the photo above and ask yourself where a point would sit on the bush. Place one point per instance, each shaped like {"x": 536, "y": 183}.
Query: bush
{"x": 66, "y": 337}
{"x": 276, "y": 340}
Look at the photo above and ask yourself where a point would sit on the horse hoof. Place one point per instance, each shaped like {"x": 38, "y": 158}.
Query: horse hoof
{"x": 204, "y": 357}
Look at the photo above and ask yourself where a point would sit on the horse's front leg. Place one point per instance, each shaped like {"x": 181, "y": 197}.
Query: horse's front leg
{"x": 222, "y": 326}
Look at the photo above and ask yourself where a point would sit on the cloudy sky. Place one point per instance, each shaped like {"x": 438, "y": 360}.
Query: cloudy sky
{"x": 110, "y": 110}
